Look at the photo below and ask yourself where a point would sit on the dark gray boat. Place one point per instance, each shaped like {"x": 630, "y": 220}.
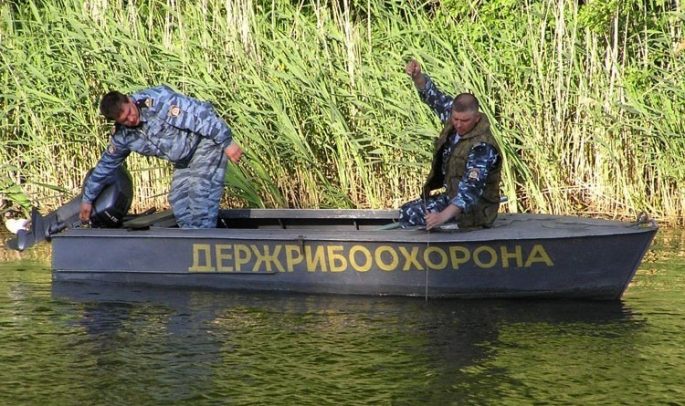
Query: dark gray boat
{"x": 362, "y": 252}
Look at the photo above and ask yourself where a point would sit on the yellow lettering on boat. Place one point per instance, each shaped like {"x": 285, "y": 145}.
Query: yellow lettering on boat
{"x": 223, "y": 252}
{"x": 267, "y": 258}
{"x": 410, "y": 258}
{"x": 517, "y": 255}
{"x": 202, "y": 259}
{"x": 341, "y": 257}
{"x": 336, "y": 260}
{"x": 394, "y": 260}
{"x": 293, "y": 256}
{"x": 367, "y": 257}
{"x": 538, "y": 254}
{"x": 459, "y": 255}
{"x": 442, "y": 258}
{"x": 317, "y": 261}
{"x": 478, "y": 258}
{"x": 242, "y": 256}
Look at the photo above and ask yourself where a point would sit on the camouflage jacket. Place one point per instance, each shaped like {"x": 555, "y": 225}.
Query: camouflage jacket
{"x": 482, "y": 159}
{"x": 171, "y": 126}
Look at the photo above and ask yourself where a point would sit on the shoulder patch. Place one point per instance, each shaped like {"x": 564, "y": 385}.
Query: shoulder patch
{"x": 474, "y": 174}
{"x": 111, "y": 148}
{"x": 174, "y": 110}
{"x": 149, "y": 102}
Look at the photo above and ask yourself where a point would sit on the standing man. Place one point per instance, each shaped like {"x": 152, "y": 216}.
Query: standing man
{"x": 187, "y": 132}
{"x": 466, "y": 162}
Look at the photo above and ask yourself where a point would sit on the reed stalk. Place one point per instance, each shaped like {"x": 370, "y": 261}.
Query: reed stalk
{"x": 585, "y": 100}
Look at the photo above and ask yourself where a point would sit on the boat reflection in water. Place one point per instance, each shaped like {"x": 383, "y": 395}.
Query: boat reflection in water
{"x": 195, "y": 339}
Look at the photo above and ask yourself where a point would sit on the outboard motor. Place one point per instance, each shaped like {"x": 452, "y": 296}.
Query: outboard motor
{"x": 113, "y": 203}
{"x": 109, "y": 209}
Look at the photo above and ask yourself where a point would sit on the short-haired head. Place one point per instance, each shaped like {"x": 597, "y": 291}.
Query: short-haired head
{"x": 111, "y": 104}
{"x": 465, "y": 102}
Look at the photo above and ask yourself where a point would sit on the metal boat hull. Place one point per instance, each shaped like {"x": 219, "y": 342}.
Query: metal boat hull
{"x": 522, "y": 256}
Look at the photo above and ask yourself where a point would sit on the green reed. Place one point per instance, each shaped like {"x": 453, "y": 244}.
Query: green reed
{"x": 586, "y": 102}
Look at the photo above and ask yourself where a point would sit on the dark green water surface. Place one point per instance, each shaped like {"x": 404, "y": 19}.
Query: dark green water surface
{"x": 63, "y": 344}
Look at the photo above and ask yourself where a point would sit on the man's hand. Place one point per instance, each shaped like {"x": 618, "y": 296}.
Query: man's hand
{"x": 413, "y": 69}
{"x": 437, "y": 219}
{"x": 234, "y": 152}
{"x": 86, "y": 209}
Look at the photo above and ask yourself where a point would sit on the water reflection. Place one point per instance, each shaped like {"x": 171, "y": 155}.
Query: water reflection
{"x": 470, "y": 339}
{"x": 160, "y": 337}
{"x": 226, "y": 344}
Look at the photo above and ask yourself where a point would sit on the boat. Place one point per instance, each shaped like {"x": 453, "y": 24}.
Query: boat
{"x": 350, "y": 252}
{"x": 362, "y": 252}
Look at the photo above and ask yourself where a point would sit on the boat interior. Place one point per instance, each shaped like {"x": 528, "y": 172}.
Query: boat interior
{"x": 331, "y": 219}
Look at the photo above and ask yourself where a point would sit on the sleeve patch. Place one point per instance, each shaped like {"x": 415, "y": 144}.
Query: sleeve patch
{"x": 174, "y": 111}
{"x": 474, "y": 174}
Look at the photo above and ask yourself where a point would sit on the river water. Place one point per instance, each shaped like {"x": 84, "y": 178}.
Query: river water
{"x": 67, "y": 344}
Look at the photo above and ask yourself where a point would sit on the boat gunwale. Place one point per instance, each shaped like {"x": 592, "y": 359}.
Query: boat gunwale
{"x": 313, "y": 214}
{"x": 387, "y": 236}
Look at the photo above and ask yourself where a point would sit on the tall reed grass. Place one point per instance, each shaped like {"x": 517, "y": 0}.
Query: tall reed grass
{"x": 586, "y": 101}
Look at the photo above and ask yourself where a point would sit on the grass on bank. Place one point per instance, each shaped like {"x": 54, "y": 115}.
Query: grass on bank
{"x": 585, "y": 100}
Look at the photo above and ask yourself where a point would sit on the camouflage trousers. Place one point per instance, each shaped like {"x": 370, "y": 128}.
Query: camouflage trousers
{"x": 196, "y": 189}
{"x": 482, "y": 214}
{"x": 413, "y": 213}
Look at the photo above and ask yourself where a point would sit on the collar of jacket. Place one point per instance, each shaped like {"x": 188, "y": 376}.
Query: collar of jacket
{"x": 143, "y": 106}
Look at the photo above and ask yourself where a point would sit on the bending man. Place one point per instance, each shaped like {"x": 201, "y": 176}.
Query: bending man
{"x": 187, "y": 132}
